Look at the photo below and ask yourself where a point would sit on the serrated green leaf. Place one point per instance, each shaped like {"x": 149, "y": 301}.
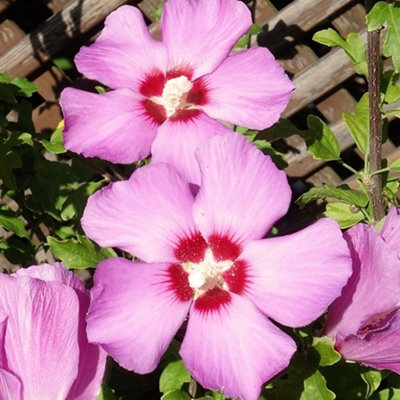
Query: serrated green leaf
{"x": 353, "y": 46}
{"x": 343, "y": 214}
{"x": 343, "y": 193}
{"x": 325, "y": 348}
{"x": 320, "y": 140}
{"x": 391, "y": 46}
{"x": 358, "y": 124}
{"x": 25, "y": 87}
{"x": 373, "y": 380}
{"x": 79, "y": 254}
{"x": 10, "y": 222}
{"x": 176, "y": 395}
{"x": 106, "y": 393}
{"x": 173, "y": 377}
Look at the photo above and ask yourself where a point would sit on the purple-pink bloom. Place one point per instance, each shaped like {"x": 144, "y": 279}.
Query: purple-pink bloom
{"x": 44, "y": 351}
{"x": 167, "y": 95}
{"x": 203, "y": 254}
{"x": 364, "y": 321}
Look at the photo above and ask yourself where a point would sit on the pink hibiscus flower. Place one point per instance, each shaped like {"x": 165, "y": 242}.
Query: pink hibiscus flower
{"x": 203, "y": 255}
{"x": 364, "y": 321}
{"x": 167, "y": 95}
{"x": 44, "y": 351}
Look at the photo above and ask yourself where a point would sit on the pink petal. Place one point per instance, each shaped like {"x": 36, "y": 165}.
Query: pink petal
{"x": 379, "y": 349}
{"x": 55, "y": 272}
{"x": 136, "y": 311}
{"x": 391, "y": 229}
{"x": 148, "y": 215}
{"x": 242, "y": 192}
{"x": 40, "y": 340}
{"x": 124, "y": 53}
{"x": 10, "y": 386}
{"x": 113, "y": 126}
{"x": 92, "y": 361}
{"x": 177, "y": 141}
{"x": 234, "y": 348}
{"x": 249, "y": 89}
{"x": 201, "y": 33}
{"x": 375, "y": 270}
{"x": 294, "y": 278}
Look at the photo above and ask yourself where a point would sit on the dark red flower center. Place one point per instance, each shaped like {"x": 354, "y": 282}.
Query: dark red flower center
{"x": 173, "y": 96}
{"x": 208, "y": 270}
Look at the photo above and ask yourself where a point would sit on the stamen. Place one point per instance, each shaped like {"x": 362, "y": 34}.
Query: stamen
{"x": 175, "y": 94}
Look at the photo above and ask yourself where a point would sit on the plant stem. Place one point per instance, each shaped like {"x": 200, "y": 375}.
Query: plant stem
{"x": 374, "y": 182}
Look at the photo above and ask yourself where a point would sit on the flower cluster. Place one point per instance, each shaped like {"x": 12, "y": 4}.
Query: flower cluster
{"x": 195, "y": 221}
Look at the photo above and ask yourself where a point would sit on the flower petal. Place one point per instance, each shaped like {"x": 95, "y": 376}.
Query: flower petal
{"x": 136, "y": 310}
{"x": 200, "y": 34}
{"x": 391, "y": 229}
{"x": 147, "y": 215}
{"x": 55, "y": 272}
{"x": 124, "y": 53}
{"x": 41, "y": 331}
{"x": 379, "y": 350}
{"x": 249, "y": 89}
{"x": 242, "y": 193}
{"x": 10, "y": 386}
{"x": 375, "y": 269}
{"x": 177, "y": 141}
{"x": 234, "y": 348}
{"x": 294, "y": 278}
{"x": 113, "y": 126}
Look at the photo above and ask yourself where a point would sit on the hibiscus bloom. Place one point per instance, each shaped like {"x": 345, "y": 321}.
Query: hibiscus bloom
{"x": 203, "y": 255}
{"x": 44, "y": 351}
{"x": 166, "y": 96}
{"x": 364, "y": 321}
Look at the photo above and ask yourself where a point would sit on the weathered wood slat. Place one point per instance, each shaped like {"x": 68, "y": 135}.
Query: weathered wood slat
{"x": 10, "y": 34}
{"x": 37, "y": 47}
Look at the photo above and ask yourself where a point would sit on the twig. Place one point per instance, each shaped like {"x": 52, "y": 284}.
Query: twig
{"x": 374, "y": 182}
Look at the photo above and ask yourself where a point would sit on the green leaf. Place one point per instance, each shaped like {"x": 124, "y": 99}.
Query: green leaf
{"x": 373, "y": 380}
{"x": 176, "y": 395}
{"x": 343, "y": 214}
{"x": 26, "y": 138}
{"x": 387, "y": 394}
{"x": 320, "y": 140}
{"x": 328, "y": 354}
{"x": 25, "y": 87}
{"x": 353, "y": 46}
{"x": 10, "y": 222}
{"x": 174, "y": 376}
{"x": 266, "y": 147}
{"x": 389, "y": 13}
{"x": 395, "y": 112}
{"x": 358, "y": 124}
{"x": 315, "y": 388}
{"x": 55, "y": 145}
{"x": 343, "y": 193}
{"x": 395, "y": 165}
{"x": 389, "y": 86}
{"x": 244, "y": 40}
{"x": 63, "y": 63}
{"x": 283, "y": 129}
{"x": 106, "y": 393}
{"x": 79, "y": 254}
{"x": 377, "y": 15}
